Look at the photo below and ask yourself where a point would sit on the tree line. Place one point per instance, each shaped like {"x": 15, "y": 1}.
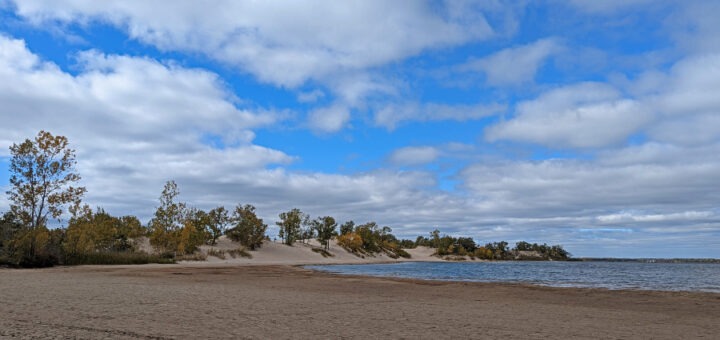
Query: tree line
{"x": 41, "y": 187}
{"x": 465, "y": 246}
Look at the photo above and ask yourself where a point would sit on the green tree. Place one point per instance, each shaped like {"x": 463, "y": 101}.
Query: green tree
{"x": 10, "y": 226}
{"x": 91, "y": 232}
{"x": 326, "y": 229}
{"x": 467, "y": 243}
{"x": 34, "y": 247}
{"x": 219, "y": 221}
{"x": 42, "y": 172}
{"x": 435, "y": 238}
{"x": 347, "y": 227}
{"x": 370, "y": 235}
{"x": 195, "y": 231}
{"x": 290, "y": 225}
{"x": 165, "y": 227}
{"x": 248, "y": 229}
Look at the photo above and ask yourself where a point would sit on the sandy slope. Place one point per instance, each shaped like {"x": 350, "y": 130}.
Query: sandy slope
{"x": 279, "y": 254}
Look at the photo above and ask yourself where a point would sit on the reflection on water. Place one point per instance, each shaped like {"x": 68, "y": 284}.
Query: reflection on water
{"x": 612, "y": 275}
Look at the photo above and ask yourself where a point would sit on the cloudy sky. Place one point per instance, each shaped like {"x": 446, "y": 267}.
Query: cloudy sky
{"x": 593, "y": 124}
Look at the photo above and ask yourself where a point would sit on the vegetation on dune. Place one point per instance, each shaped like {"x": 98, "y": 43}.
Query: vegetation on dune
{"x": 465, "y": 246}
{"x": 42, "y": 178}
{"x": 247, "y": 229}
{"x": 369, "y": 239}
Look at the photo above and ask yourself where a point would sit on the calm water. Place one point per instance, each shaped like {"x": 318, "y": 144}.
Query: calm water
{"x": 612, "y": 275}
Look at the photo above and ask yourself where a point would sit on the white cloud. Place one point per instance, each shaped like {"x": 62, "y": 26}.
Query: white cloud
{"x": 329, "y": 119}
{"x": 578, "y": 116}
{"x": 336, "y": 45}
{"x": 136, "y": 123}
{"x": 609, "y": 6}
{"x": 150, "y": 117}
{"x": 694, "y": 26}
{"x": 390, "y": 116}
{"x": 648, "y": 180}
{"x": 516, "y": 65}
{"x": 279, "y": 42}
{"x": 414, "y": 155}
{"x": 310, "y": 97}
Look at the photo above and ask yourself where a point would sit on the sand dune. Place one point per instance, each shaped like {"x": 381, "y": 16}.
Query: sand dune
{"x": 276, "y": 253}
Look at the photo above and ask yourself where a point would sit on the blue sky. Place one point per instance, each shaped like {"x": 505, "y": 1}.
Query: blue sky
{"x": 593, "y": 124}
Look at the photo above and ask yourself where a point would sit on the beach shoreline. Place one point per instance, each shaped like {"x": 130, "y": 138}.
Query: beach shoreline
{"x": 290, "y": 301}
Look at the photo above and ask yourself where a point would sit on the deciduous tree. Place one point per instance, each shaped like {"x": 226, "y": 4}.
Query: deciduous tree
{"x": 248, "y": 229}
{"x": 42, "y": 172}
{"x": 326, "y": 229}
{"x": 290, "y": 224}
{"x": 168, "y": 221}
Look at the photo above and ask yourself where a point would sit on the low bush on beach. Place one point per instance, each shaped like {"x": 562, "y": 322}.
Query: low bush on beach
{"x": 242, "y": 252}
{"x": 112, "y": 258}
{"x": 217, "y": 253}
{"x": 191, "y": 257}
{"x": 323, "y": 252}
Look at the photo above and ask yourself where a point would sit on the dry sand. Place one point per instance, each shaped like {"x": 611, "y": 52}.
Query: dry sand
{"x": 276, "y": 253}
{"x": 277, "y": 302}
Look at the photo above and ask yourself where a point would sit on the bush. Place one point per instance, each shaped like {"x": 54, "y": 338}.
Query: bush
{"x": 217, "y": 253}
{"x": 36, "y": 247}
{"x": 323, "y": 252}
{"x": 352, "y": 242}
{"x": 242, "y": 252}
{"x": 113, "y": 258}
{"x": 248, "y": 229}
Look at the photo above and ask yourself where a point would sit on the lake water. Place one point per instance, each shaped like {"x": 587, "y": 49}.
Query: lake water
{"x": 611, "y": 275}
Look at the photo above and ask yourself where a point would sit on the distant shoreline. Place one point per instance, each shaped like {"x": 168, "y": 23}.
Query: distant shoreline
{"x": 645, "y": 260}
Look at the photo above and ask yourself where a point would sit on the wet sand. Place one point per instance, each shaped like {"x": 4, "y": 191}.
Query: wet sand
{"x": 278, "y": 302}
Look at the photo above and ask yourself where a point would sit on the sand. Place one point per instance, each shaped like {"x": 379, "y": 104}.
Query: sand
{"x": 276, "y": 253}
{"x": 286, "y": 302}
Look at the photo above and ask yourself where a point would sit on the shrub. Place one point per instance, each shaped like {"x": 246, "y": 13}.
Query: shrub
{"x": 352, "y": 242}
{"x": 217, "y": 253}
{"x": 323, "y": 252}
{"x": 36, "y": 247}
{"x": 248, "y": 229}
{"x": 242, "y": 252}
{"x": 113, "y": 258}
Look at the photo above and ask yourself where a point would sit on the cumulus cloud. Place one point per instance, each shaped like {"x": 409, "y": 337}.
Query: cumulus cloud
{"x": 310, "y": 97}
{"x": 577, "y": 116}
{"x": 694, "y": 26}
{"x": 414, "y": 155}
{"x": 280, "y": 43}
{"x": 655, "y": 191}
{"x": 514, "y": 65}
{"x": 137, "y": 123}
{"x": 129, "y": 116}
{"x": 329, "y": 119}
{"x": 336, "y": 45}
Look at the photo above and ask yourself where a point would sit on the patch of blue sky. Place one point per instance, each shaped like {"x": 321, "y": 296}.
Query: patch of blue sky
{"x": 4, "y": 172}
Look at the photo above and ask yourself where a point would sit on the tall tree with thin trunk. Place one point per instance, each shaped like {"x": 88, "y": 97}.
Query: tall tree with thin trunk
{"x": 326, "y": 229}
{"x": 290, "y": 225}
{"x": 42, "y": 173}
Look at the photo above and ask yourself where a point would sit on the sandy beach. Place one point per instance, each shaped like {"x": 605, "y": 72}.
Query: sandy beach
{"x": 281, "y": 301}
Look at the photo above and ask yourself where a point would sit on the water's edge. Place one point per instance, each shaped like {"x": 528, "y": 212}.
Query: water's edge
{"x": 691, "y": 277}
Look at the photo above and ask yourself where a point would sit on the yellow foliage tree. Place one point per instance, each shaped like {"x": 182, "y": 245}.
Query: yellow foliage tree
{"x": 351, "y": 241}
